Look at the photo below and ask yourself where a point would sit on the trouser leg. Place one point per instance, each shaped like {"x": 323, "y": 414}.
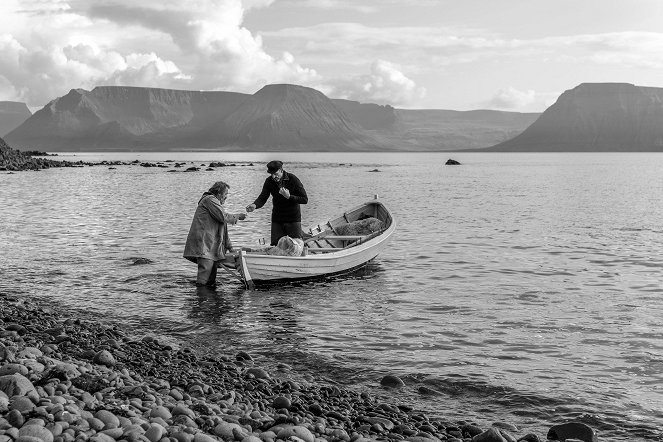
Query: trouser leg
{"x": 206, "y": 271}
{"x": 277, "y": 232}
{"x": 293, "y": 230}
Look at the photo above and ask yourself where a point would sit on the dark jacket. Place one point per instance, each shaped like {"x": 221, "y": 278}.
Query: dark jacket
{"x": 284, "y": 210}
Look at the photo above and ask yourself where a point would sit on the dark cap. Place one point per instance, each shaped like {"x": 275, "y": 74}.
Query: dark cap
{"x": 274, "y": 166}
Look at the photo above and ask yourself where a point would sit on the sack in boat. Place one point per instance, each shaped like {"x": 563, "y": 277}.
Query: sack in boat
{"x": 360, "y": 227}
{"x": 285, "y": 247}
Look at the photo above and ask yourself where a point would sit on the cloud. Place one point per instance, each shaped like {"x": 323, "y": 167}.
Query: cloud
{"x": 51, "y": 47}
{"x": 385, "y": 84}
{"x": 511, "y": 98}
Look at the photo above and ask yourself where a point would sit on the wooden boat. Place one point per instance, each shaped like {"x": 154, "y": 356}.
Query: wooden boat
{"x": 327, "y": 252}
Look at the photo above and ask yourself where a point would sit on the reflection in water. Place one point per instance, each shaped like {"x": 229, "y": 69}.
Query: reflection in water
{"x": 526, "y": 277}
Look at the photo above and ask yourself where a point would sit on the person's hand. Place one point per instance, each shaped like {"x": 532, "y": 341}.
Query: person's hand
{"x": 250, "y": 207}
{"x": 241, "y": 216}
{"x": 285, "y": 192}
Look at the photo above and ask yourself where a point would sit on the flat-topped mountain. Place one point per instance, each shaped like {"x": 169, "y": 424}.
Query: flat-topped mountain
{"x": 277, "y": 117}
{"x": 12, "y": 115}
{"x": 117, "y": 117}
{"x": 286, "y": 116}
{"x": 596, "y": 117}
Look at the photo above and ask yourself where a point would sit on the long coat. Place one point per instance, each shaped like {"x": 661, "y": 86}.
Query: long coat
{"x": 208, "y": 235}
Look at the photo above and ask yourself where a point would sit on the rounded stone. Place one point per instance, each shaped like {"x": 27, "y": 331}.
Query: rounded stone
{"x": 572, "y": 430}
{"x": 15, "y": 418}
{"x": 10, "y": 369}
{"x": 225, "y": 430}
{"x": 281, "y": 402}
{"x": 104, "y": 357}
{"x": 258, "y": 373}
{"x": 108, "y": 418}
{"x": 161, "y": 411}
{"x": 298, "y": 431}
{"x": 95, "y": 424}
{"x": 392, "y": 381}
{"x": 22, "y": 404}
{"x": 202, "y": 437}
{"x": 155, "y": 432}
{"x": 36, "y": 431}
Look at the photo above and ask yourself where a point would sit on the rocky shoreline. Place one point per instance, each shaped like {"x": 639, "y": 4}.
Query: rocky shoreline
{"x": 12, "y": 160}
{"x": 64, "y": 379}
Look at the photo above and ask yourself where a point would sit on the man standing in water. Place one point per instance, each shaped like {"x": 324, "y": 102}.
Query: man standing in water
{"x": 208, "y": 242}
{"x": 287, "y": 194}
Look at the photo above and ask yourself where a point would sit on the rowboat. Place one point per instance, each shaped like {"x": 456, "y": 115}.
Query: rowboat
{"x": 328, "y": 251}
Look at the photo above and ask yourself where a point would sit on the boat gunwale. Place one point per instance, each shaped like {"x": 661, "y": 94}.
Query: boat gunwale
{"x": 349, "y": 251}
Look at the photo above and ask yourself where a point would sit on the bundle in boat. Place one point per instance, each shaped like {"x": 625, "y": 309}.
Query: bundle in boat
{"x": 364, "y": 226}
{"x": 286, "y": 246}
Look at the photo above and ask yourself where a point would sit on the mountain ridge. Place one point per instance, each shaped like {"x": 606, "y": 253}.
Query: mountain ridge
{"x": 596, "y": 117}
{"x": 277, "y": 117}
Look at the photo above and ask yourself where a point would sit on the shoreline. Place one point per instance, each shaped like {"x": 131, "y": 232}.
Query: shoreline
{"x": 68, "y": 379}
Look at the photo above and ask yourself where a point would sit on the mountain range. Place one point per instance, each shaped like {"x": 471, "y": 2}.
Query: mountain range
{"x": 277, "y": 117}
{"x": 591, "y": 117}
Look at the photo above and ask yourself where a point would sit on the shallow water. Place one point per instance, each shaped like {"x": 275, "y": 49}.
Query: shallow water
{"x": 523, "y": 288}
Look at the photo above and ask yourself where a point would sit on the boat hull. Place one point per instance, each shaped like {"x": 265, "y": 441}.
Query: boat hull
{"x": 261, "y": 269}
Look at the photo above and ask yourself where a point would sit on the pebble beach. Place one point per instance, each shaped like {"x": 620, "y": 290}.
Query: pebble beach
{"x": 66, "y": 379}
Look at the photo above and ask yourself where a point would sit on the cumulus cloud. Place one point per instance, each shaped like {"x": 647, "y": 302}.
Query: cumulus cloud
{"x": 385, "y": 84}
{"x": 510, "y": 98}
{"x": 51, "y": 47}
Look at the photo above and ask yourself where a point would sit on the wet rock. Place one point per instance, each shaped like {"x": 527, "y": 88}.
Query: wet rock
{"x": 225, "y": 430}
{"x": 108, "y": 418}
{"x": 18, "y": 385}
{"x": 451, "y": 162}
{"x": 142, "y": 261}
{"x": 491, "y": 435}
{"x": 281, "y": 402}
{"x": 297, "y": 431}
{"x": 392, "y": 381}
{"x": 258, "y": 373}
{"x": 530, "y": 437}
{"x": 572, "y": 430}
{"x": 36, "y": 431}
{"x": 104, "y": 357}
{"x": 22, "y": 404}
{"x": 13, "y": 368}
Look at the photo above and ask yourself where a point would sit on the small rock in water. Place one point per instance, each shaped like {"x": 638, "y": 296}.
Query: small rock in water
{"x": 141, "y": 261}
{"x": 374, "y": 170}
{"x": 572, "y": 430}
{"x": 491, "y": 435}
{"x": 392, "y": 381}
{"x": 451, "y": 162}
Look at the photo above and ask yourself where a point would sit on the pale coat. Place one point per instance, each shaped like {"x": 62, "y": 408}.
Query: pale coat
{"x": 208, "y": 235}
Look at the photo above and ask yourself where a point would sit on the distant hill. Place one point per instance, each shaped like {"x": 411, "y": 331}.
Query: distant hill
{"x": 277, "y": 117}
{"x": 596, "y": 117}
{"x": 291, "y": 117}
{"x": 12, "y": 115}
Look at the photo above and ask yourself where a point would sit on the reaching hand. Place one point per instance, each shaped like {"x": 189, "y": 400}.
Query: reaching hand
{"x": 285, "y": 192}
{"x": 241, "y": 216}
{"x": 250, "y": 207}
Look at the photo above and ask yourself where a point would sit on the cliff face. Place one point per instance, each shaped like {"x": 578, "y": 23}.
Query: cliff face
{"x": 12, "y": 115}
{"x": 284, "y": 116}
{"x": 278, "y": 117}
{"x": 602, "y": 117}
{"x": 111, "y": 117}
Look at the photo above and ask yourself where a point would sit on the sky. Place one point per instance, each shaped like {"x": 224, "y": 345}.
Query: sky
{"x": 512, "y": 55}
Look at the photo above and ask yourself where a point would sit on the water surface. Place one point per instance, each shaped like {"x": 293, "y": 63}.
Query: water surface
{"x": 524, "y": 288}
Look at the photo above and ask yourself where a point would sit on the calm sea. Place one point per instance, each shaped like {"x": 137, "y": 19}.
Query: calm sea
{"x": 523, "y": 288}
